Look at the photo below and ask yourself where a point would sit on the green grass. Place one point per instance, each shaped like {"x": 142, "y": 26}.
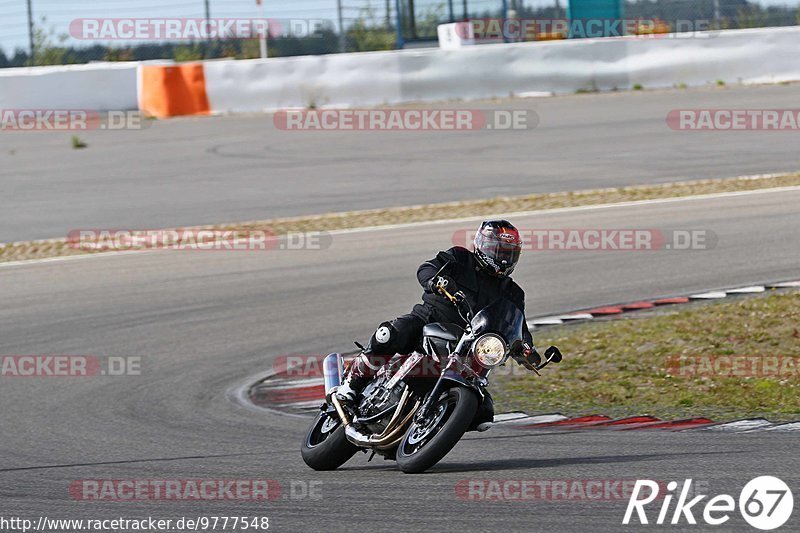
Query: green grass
{"x": 77, "y": 143}
{"x": 620, "y": 367}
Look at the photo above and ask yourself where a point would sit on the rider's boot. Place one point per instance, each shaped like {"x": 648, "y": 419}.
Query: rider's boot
{"x": 360, "y": 372}
{"x": 384, "y": 341}
{"x": 350, "y": 388}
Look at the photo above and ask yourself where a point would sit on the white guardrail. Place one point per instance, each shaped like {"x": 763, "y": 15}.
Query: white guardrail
{"x": 95, "y": 86}
{"x": 763, "y": 55}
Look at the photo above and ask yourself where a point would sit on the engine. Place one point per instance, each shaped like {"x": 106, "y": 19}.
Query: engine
{"x": 378, "y": 399}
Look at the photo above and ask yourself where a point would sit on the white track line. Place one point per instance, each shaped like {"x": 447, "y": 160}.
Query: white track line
{"x": 635, "y": 203}
{"x": 576, "y": 316}
{"x": 789, "y": 426}
{"x": 783, "y": 285}
{"x": 557, "y": 210}
{"x": 531, "y": 420}
{"x": 713, "y": 295}
{"x": 508, "y": 417}
{"x": 740, "y": 425}
{"x": 74, "y": 257}
{"x": 545, "y": 321}
{"x": 747, "y": 290}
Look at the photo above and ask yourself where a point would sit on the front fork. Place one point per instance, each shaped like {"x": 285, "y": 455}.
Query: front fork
{"x": 457, "y": 378}
{"x": 423, "y": 411}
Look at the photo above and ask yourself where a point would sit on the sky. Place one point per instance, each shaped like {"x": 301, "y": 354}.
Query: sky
{"x": 59, "y": 13}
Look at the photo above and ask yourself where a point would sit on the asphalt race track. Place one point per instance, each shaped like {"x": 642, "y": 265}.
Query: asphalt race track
{"x": 228, "y": 169}
{"x": 204, "y": 322}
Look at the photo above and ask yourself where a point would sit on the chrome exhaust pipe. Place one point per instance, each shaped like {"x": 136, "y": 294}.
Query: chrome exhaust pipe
{"x": 378, "y": 441}
{"x": 401, "y": 429}
{"x": 393, "y": 430}
{"x": 332, "y": 370}
{"x": 340, "y": 411}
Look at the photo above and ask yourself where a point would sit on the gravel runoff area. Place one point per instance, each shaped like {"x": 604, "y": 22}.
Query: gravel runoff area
{"x": 41, "y": 249}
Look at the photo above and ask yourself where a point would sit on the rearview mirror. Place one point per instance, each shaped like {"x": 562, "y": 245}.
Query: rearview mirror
{"x": 553, "y": 354}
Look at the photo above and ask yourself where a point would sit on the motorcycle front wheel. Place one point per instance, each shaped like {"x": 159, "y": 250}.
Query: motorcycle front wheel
{"x": 325, "y": 446}
{"x": 427, "y": 442}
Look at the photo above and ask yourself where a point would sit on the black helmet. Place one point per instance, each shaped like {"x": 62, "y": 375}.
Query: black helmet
{"x": 497, "y": 247}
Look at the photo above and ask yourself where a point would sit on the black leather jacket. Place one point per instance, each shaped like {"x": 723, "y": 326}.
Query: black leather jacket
{"x": 480, "y": 288}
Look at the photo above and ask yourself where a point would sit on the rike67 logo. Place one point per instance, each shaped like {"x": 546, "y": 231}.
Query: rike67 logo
{"x": 765, "y": 503}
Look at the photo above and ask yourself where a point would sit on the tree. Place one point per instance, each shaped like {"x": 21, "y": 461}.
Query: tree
{"x": 189, "y": 52}
{"x": 46, "y": 52}
{"x": 367, "y": 34}
{"x": 362, "y": 38}
{"x": 20, "y": 58}
{"x": 752, "y": 17}
{"x": 117, "y": 54}
{"x": 428, "y": 23}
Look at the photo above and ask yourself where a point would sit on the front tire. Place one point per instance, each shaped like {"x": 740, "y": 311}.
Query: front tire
{"x": 425, "y": 445}
{"x": 325, "y": 446}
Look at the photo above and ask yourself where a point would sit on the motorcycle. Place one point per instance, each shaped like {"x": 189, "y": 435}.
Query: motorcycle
{"x": 417, "y": 407}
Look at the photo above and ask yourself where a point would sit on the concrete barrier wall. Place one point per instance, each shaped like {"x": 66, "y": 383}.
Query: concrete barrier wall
{"x": 747, "y": 56}
{"x": 96, "y": 86}
{"x": 377, "y": 78}
{"x": 367, "y": 79}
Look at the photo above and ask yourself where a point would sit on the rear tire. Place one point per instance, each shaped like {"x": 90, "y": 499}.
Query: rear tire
{"x": 422, "y": 448}
{"x": 325, "y": 447}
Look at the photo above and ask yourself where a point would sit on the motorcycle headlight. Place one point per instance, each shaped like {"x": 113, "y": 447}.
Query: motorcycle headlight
{"x": 489, "y": 350}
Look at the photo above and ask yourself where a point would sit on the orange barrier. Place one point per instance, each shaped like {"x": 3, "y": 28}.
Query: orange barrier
{"x": 551, "y": 36}
{"x": 168, "y": 91}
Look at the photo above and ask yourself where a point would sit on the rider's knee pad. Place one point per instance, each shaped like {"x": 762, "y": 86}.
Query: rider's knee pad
{"x": 366, "y": 365}
{"x": 385, "y": 340}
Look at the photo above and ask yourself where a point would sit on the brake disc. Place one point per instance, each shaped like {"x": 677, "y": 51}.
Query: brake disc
{"x": 420, "y": 432}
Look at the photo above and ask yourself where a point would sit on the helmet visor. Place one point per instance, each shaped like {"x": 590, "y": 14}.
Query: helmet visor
{"x": 504, "y": 254}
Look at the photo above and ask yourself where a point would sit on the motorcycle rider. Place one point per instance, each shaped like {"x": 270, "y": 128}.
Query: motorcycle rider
{"x": 483, "y": 275}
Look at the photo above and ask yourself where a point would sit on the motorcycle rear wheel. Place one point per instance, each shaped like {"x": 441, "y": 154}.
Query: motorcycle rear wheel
{"x": 425, "y": 445}
{"x": 325, "y": 446}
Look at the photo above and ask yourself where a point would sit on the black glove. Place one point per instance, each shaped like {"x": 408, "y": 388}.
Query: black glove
{"x": 446, "y": 281}
{"x": 526, "y": 355}
{"x": 531, "y": 355}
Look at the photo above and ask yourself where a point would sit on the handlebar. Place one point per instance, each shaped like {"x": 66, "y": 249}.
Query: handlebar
{"x": 456, "y": 299}
{"x": 552, "y": 354}
{"x": 442, "y": 290}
